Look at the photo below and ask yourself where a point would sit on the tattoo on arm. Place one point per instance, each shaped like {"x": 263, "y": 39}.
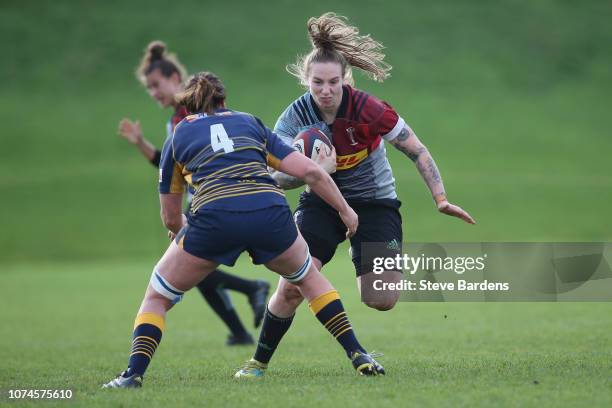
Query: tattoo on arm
{"x": 419, "y": 154}
{"x": 433, "y": 169}
{"x": 430, "y": 173}
{"x": 403, "y": 135}
{"x": 399, "y": 144}
{"x": 412, "y": 155}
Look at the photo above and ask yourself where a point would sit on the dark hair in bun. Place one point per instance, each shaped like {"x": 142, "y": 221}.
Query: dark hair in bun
{"x": 157, "y": 57}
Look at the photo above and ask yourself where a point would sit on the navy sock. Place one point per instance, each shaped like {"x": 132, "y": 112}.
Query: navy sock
{"x": 330, "y": 312}
{"x": 148, "y": 329}
{"x": 220, "y": 302}
{"x": 273, "y": 329}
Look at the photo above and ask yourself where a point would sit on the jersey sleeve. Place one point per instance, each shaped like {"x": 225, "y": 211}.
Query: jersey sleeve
{"x": 156, "y": 158}
{"x": 277, "y": 149}
{"x": 287, "y": 125}
{"x": 384, "y": 121}
{"x": 170, "y": 172}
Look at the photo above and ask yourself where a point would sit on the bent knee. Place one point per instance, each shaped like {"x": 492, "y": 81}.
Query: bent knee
{"x": 383, "y": 303}
{"x": 289, "y": 294}
{"x": 382, "y": 306}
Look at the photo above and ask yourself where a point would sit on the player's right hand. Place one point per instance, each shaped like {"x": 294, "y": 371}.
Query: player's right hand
{"x": 327, "y": 159}
{"x": 130, "y": 131}
{"x": 351, "y": 220}
{"x": 455, "y": 211}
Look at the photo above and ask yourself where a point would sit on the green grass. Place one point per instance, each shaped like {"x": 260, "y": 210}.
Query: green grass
{"x": 69, "y": 326}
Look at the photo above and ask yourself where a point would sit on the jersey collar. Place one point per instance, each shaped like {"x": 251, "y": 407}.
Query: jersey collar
{"x": 341, "y": 110}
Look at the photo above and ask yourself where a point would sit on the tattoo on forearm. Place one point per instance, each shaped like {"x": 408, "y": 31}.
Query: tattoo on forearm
{"x": 429, "y": 171}
{"x": 433, "y": 170}
{"x": 399, "y": 144}
{"x": 414, "y": 156}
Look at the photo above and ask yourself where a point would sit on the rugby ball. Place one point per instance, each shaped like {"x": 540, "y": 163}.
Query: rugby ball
{"x": 309, "y": 142}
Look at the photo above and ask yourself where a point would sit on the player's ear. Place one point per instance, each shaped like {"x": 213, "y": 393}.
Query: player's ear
{"x": 175, "y": 77}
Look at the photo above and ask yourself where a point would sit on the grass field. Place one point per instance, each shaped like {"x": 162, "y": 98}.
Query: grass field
{"x": 62, "y": 331}
{"x": 511, "y": 97}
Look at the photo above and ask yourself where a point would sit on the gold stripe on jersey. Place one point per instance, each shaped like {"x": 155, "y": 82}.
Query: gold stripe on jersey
{"x": 195, "y": 209}
{"x": 273, "y": 161}
{"x": 229, "y": 191}
{"x": 233, "y": 167}
{"x": 241, "y": 186}
{"x": 204, "y": 188}
{"x": 232, "y": 181}
{"x": 177, "y": 184}
{"x": 240, "y": 189}
{"x": 222, "y": 153}
{"x": 246, "y": 172}
{"x": 235, "y": 190}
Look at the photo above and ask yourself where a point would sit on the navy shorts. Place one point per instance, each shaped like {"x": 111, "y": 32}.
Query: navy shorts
{"x": 379, "y": 221}
{"x": 221, "y": 236}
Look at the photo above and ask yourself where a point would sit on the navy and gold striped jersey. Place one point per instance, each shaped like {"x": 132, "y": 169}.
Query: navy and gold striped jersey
{"x": 224, "y": 157}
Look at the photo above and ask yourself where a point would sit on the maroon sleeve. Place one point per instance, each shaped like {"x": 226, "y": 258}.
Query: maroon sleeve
{"x": 382, "y": 119}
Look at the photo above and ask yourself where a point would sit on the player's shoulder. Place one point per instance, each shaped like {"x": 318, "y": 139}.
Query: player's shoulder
{"x": 198, "y": 119}
{"x": 300, "y": 103}
{"x": 251, "y": 121}
{"x": 301, "y": 110}
{"x": 187, "y": 122}
{"x": 365, "y": 107}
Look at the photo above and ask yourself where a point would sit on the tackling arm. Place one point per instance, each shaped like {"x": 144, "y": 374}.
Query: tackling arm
{"x": 285, "y": 181}
{"x": 326, "y": 159}
{"x": 321, "y": 183}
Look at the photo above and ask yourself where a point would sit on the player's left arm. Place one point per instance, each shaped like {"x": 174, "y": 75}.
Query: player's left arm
{"x": 408, "y": 143}
{"x": 171, "y": 211}
{"x": 171, "y": 188}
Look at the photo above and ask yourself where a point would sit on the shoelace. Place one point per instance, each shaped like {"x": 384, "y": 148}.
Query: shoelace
{"x": 251, "y": 364}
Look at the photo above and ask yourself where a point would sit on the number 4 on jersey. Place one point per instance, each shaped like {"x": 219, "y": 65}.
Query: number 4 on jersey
{"x": 219, "y": 139}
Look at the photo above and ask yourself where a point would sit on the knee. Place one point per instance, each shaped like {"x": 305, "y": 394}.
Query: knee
{"x": 384, "y": 303}
{"x": 289, "y": 295}
{"x": 155, "y": 303}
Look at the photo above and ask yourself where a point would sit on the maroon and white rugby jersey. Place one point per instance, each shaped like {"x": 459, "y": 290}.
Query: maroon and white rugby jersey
{"x": 362, "y": 122}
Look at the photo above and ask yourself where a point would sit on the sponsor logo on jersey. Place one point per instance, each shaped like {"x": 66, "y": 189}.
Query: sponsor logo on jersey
{"x": 350, "y": 160}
